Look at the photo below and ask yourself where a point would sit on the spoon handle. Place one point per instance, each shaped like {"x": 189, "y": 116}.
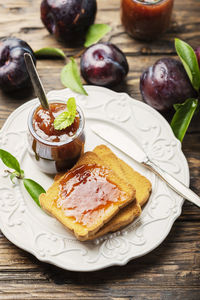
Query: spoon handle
{"x": 37, "y": 84}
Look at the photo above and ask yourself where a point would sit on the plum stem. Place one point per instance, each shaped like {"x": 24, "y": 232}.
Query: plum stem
{"x": 79, "y": 53}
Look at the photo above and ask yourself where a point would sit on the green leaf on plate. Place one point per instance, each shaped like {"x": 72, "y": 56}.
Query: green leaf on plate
{"x": 66, "y": 118}
{"x": 34, "y": 189}
{"x": 12, "y": 176}
{"x": 95, "y": 33}
{"x": 15, "y": 174}
{"x": 70, "y": 77}
{"x": 183, "y": 116}
{"x": 190, "y": 63}
{"x": 10, "y": 161}
{"x": 50, "y": 52}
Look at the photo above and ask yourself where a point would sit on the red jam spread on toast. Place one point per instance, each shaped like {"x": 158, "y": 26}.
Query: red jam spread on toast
{"x": 86, "y": 192}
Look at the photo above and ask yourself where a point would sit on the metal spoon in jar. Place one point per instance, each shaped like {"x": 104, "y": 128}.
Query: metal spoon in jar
{"x": 35, "y": 79}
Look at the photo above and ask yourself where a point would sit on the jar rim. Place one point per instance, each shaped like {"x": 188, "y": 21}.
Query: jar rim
{"x": 156, "y": 2}
{"x": 55, "y": 144}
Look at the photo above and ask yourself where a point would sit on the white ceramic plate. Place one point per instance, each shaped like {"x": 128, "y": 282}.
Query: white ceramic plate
{"x": 28, "y": 227}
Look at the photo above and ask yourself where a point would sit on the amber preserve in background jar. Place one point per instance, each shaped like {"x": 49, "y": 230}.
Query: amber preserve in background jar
{"x": 146, "y": 19}
{"x": 53, "y": 150}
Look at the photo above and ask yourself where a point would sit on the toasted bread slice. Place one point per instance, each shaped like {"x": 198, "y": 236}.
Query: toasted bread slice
{"x": 49, "y": 200}
{"x": 124, "y": 217}
{"x": 142, "y": 185}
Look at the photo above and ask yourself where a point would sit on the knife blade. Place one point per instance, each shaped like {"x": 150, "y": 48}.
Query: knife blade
{"x": 131, "y": 147}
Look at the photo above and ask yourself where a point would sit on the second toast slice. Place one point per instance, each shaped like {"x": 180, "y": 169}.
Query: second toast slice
{"x": 140, "y": 183}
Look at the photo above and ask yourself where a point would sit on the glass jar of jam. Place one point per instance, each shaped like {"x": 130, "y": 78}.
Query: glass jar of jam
{"x": 54, "y": 150}
{"x": 146, "y": 19}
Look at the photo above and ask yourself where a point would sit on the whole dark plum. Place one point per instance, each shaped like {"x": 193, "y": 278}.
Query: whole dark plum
{"x": 13, "y": 72}
{"x": 68, "y": 20}
{"x": 197, "y": 51}
{"x": 165, "y": 83}
{"x": 104, "y": 64}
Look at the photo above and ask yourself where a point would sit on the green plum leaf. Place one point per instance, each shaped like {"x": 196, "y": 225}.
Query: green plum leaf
{"x": 34, "y": 189}
{"x": 10, "y": 161}
{"x": 50, "y": 52}
{"x": 14, "y": 175}
{"x": 190, "y": 63}
{"x": 183, "y": 116}
{"x": 95, "y": 33}
{"x": 70, "y": 77}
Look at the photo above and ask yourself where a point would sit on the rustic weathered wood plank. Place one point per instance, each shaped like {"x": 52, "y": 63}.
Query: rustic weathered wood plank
{"x": 172, "y": 271}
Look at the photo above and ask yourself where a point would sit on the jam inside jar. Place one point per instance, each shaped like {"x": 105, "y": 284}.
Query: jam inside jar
{"x": 146, "y": 19}
{"x": 54, "y": 150}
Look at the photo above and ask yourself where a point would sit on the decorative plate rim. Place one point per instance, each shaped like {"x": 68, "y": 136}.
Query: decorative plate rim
{"x": 112, "y": 262}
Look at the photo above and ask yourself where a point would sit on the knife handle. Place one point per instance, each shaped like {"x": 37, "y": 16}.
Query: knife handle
{"x": 174, "y": 184}
{"x": 36, "y": 82}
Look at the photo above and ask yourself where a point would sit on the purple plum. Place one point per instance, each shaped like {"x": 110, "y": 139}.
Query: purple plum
{"x": 104, "y": 64}
{"x": 68, "y": 20}
{"x": 13, "y": 72}
{"x": 165, "y": 83}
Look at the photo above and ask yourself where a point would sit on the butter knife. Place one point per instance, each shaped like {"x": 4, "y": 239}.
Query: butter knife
{"x": 135, "y": 151}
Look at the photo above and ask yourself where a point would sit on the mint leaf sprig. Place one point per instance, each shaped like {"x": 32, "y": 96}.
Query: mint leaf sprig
{"x": 66, "y": 118}
{"x": 185, "y": 111}
{"x": 32, "y": 187}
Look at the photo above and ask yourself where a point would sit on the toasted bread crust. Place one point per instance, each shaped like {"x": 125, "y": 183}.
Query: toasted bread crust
{"x": 140, "y": 183}
{"x": 124, "y": 217}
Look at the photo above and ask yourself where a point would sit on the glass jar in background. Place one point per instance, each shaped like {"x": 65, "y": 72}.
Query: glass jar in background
{"x": 57, "y": 153}
{"x": 146, "y": 19}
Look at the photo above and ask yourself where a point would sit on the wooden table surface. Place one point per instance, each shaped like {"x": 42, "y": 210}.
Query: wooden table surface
{"x": 172, "y": 271}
